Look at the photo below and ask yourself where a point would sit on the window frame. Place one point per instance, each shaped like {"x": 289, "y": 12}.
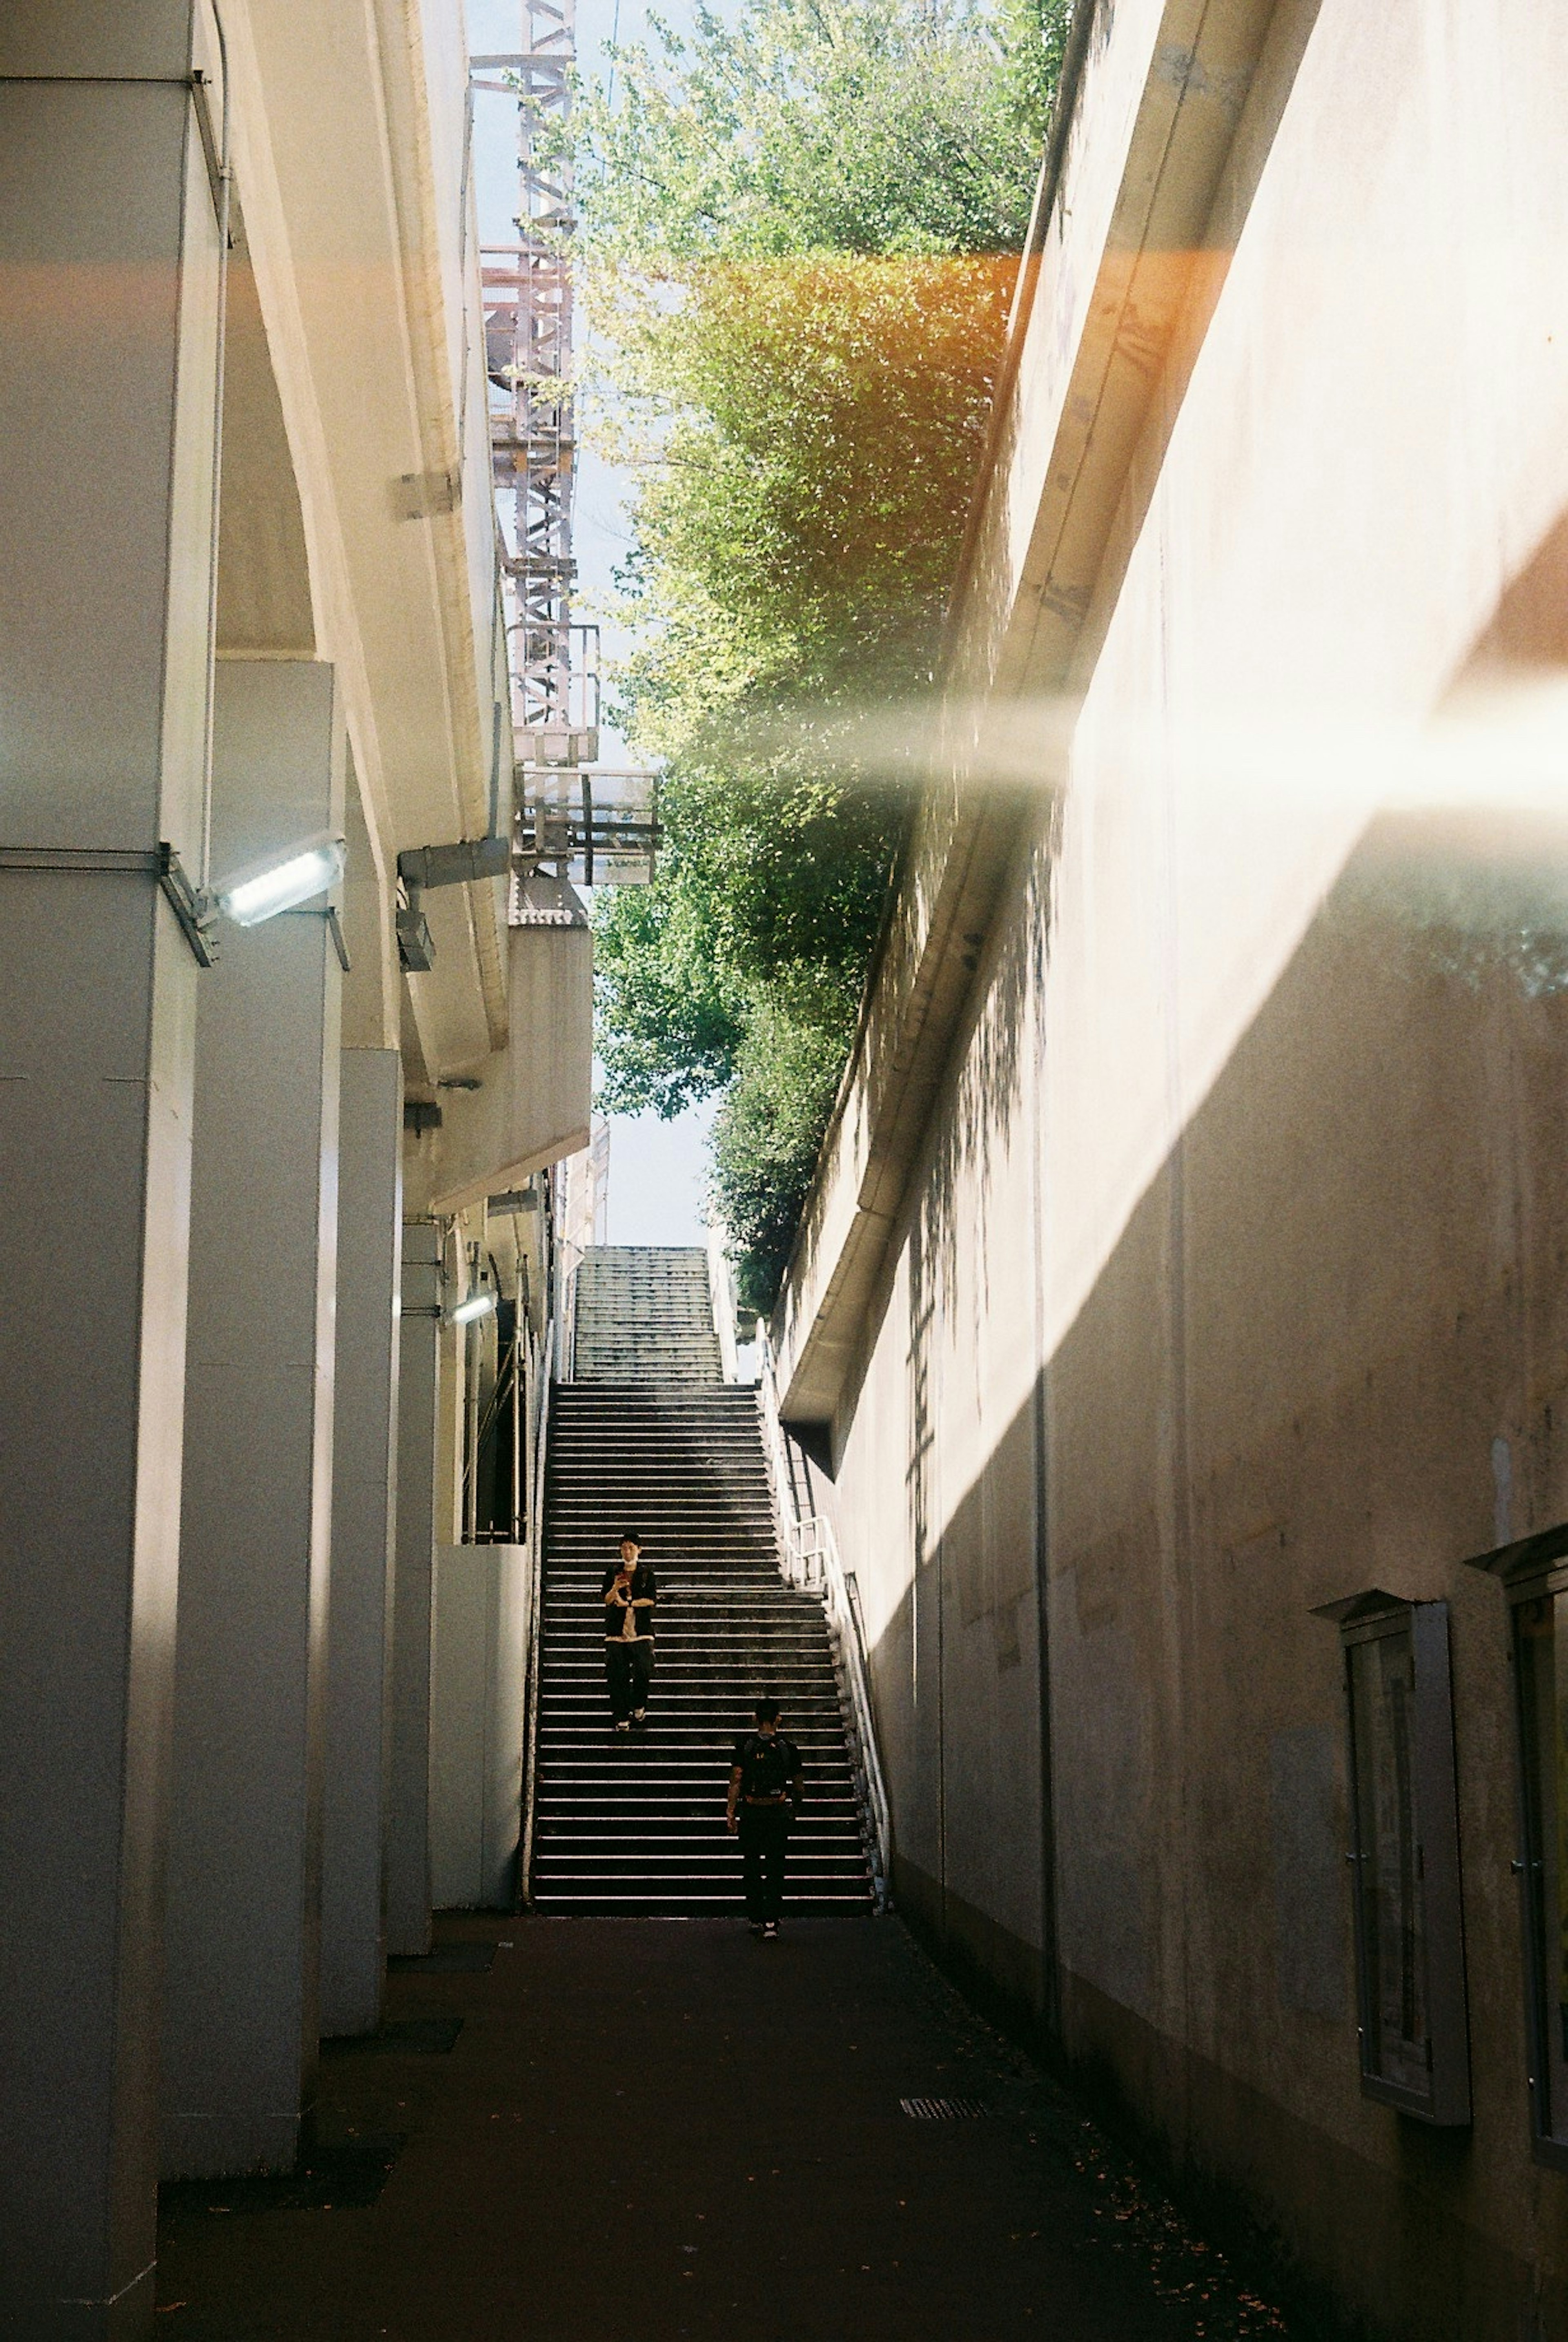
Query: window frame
{"x": 1366, "y": 1617}
{"x": 1528, "y": 1570}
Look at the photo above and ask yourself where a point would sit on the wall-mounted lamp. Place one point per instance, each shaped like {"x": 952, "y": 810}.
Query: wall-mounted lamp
{"x": 478, "y": 1305}
{"x": 264, "y": 888}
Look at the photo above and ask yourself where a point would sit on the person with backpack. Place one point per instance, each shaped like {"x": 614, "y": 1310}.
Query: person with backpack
{"x": 767, "y": 1786}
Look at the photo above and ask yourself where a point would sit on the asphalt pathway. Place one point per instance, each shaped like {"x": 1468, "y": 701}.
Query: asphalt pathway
{"x": 651, "y": 2128}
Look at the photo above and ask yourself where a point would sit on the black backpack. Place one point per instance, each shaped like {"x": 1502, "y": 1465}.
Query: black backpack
{"x": 766, "y": 1766}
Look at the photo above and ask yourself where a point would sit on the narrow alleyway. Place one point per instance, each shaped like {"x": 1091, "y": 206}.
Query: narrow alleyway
{"x": 574, "y": 2129}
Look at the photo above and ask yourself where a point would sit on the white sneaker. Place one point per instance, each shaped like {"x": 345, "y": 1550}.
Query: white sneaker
{"x": 639, "y": 1716}
{"x": 621, "y": 1725}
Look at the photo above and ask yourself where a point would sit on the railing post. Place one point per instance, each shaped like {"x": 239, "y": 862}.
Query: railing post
{"x": 721, "y": 1297}
{"x": 543, "y": 1375}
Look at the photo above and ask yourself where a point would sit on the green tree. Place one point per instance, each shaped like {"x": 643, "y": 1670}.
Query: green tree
{"x": 822, "y": 126}
{"x": 799, "y": 227}
{"x": 795, "y": 534}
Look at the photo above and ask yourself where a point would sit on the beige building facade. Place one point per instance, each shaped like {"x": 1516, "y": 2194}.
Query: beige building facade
{"x": 1182, "y": 1297}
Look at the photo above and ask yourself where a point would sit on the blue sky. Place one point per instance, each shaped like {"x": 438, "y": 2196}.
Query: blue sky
{"x": 656, "y": 1167}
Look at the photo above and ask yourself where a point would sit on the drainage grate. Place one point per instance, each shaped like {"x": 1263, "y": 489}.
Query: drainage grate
{"x": 414, "y": 2037}
{"x": 944, "y": 2109}
{"x": 447, "y": 1959}
{"x": 346, "y": 2175}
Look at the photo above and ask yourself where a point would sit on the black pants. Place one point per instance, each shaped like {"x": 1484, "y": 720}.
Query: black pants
{"x": 629, "y": 1668}
{"x": 765, "y": 1840}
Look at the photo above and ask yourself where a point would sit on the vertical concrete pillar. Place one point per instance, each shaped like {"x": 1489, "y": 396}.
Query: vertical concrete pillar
{"x": 109, "y": 290}
{"x": 451, "y": 1432}
{"x": 364, "y": 1512}
{"x": 243, "y": 1906}
{"x": 418, "y": 1394}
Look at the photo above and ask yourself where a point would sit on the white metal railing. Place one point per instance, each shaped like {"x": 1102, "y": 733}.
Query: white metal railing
{"x": 542, "y": 1358}
{"x": 722, "y": 1295}
{"x": 563, "y": 1328}
{"x": 811, "y": 1562}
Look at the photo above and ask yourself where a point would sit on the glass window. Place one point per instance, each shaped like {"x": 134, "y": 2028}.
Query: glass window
{"x": 1396, "y": 2045}
{"x": 1540, "y": 1649}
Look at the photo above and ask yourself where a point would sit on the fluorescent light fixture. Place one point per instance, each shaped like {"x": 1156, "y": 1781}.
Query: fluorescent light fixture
{"x": 478, "y": 1305}
{"x": 281, "y": 882}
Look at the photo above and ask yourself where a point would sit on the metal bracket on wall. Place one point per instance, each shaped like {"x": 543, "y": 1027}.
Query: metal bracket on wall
{"x": 190, "y": 908}
{"x": 333, "y": 929}
{"x": 196, "y": 82}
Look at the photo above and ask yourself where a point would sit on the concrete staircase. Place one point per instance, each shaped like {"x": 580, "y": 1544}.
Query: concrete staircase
{"x": 643, "y": 1315}
{"x": 634, "y": 1826}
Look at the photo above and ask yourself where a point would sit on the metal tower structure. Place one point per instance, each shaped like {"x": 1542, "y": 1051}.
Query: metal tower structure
{"x": 592, "y": 825}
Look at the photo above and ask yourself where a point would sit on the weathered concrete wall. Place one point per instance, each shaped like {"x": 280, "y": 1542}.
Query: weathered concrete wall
{"x": 937, "y": 1499}
{"x": 1228, "y": 1278}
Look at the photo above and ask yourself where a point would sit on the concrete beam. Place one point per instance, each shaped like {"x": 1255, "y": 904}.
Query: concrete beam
{"x": 347, "y": 132}
{"x": 532, "y": 1103}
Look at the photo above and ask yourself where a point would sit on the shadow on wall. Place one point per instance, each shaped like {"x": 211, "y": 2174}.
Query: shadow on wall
{"x": 1342, "y": 1287}
{"x": 1327, "y": 1350}
{"x": 994, "y": 1091}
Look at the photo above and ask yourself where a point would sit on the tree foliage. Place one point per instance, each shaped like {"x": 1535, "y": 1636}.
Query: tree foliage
{"x": 822, "y": 125}
{"x": 813, "y": 476}
{"x": 798, "y": 228}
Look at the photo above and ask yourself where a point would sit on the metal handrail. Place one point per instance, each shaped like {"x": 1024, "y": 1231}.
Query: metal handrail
{"x": 810, "y": 1561}
{"x": 543, "y": 1362}
{"x": 722, "y": 1300}
{"x": 563, "y": 1325}
{"x": 786, "y": 1510}
{"x": 840, "y": 1599}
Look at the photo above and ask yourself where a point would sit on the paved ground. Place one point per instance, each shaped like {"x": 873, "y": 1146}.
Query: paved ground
{"x": 647, "y": 2128}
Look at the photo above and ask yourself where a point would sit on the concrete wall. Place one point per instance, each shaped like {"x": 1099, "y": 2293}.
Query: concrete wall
{"x": 477, "y": 1671}
{"x": 936, "y": 1508}
{"x": 1227, "y": 1277}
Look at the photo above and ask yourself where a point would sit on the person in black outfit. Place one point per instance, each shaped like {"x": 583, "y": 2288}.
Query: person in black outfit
{"x": 630, "y": 1592}
{"x": 766, "y": 1788}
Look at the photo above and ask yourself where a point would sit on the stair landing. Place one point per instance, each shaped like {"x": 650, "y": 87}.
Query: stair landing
{"x": 644, "y": 1314}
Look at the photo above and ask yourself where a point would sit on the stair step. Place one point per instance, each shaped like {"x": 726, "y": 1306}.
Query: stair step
{"x": 566, "y": 1813}
{"x": 564, "y": 1733}
{"x": 575, "y": 1893}
{"x": 589, "y": 1681}
{"x": 698, "y": 1853}
{"x": 605, "y": 1770}
{"x": 818, "y": 1701}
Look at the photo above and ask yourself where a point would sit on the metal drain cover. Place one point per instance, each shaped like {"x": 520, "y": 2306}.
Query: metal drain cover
{"x": 944, "y": 2109}
{"x": 446, "y": 1960}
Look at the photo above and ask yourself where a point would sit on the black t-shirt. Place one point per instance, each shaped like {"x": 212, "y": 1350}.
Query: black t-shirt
{"x": 644, "y": 1588}
{"x": 767, "y": 1764}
